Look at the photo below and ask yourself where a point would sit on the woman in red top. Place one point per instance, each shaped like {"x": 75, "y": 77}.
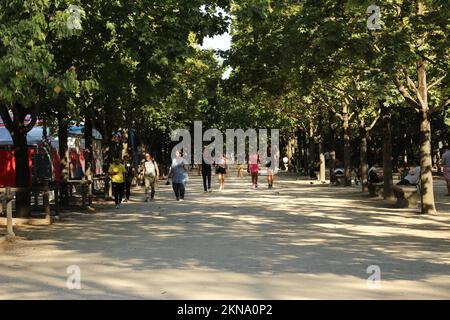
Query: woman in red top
{"x": 253, "y": 169}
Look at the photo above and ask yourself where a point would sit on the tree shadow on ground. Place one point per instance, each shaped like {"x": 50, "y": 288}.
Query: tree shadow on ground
{"x": 305, "y": 229}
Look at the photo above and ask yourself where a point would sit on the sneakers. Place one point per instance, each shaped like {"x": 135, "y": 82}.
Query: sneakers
{"x": 118, "y": 206}
{"x": 126, "y": 200}
{"x": 210, "y": 190}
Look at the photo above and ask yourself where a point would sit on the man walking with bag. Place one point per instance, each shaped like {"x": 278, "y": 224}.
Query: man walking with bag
{"x": 151, "y": 176}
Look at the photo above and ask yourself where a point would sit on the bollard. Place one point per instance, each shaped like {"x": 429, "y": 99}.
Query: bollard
{"x": 9, "y": 220}
{"x": 83, "y": 193}
{"x": 90, "y": 193}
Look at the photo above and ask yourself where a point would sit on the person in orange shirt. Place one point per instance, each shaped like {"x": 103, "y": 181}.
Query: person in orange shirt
{"x": 117, "y": 173}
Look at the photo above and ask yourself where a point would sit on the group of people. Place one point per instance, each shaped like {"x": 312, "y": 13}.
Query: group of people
{"x": 123, "y": 172}
{"x": 410, "y": 176}
{"x": 179, "y": 172}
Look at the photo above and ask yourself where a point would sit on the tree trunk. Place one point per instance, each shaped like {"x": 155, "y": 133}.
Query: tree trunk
{"x": 125, "y": 144}
{"x": 322, "y": 176}
{"x": 22, "y": 173}
{"x": 438, "y": 161}
{"x": 387, "y": 152}
{"x": 312, "y": 155}
{"x": 363, "y": 134}
{"x": 107, "y": 143}
{"x": 347, "y": 149}
{"x": 18, "y": 130}
{"x": 88, "y": 154}
{"x": 305, "y": 153}
{"x": 63, "y": 127}
{"x": 427, "y": 192}
{"x": 332, "y": 161}
{"x": 107, "y": 152}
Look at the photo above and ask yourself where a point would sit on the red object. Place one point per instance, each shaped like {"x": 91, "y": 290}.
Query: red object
{"x": 8, "y": 166}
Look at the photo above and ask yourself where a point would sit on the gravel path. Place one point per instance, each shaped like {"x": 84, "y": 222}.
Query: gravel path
{"x": 297, "y": 241}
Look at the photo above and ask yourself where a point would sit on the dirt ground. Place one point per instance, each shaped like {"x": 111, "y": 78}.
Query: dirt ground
{"x": 297, "y": 241}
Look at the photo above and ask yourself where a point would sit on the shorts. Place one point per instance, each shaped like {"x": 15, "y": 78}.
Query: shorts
{"x": 221, "y": 170}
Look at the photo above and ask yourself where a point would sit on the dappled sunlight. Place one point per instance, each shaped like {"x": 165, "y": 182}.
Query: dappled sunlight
{"x": 257, "y": 244}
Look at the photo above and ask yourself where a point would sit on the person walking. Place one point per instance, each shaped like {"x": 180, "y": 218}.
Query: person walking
{"x": 446, "y": 169}
{"x": 129, "y": 175}
{"x": 206, "y": 175}
{"x": 253, "y": 169}
{"x": 269, "y": 168}
{"x": 179, "y": 174}
{"x": 221, "y": 170}
{"x": 150, "y": 172}
{"x": 117, "y": 173}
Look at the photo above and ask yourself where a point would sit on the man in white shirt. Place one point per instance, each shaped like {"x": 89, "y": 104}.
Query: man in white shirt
{"x": 413, "y": 176}
{"x": 446, "y": 168}
{"x": 375, "y": 173}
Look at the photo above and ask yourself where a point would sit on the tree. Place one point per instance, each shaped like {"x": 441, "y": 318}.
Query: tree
{"x": 415, "y": 40}
{"x": 29, "y": 76}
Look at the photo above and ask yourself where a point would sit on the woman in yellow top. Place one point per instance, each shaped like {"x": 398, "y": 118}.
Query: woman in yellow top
{"x": 117, "y": 174}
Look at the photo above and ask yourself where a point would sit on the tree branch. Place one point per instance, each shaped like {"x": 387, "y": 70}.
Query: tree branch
{"x": 411, "y": 84}
{"x": 351, "y": 115}
{"x": 441, "y": 107}
{"x": 33, "y": 114}
{"x": 404, "y": 92}
{"x": 4, "y": 114}
{"x": 372, "y": 125}
{"x": 337, "y": 114}
{"x": 437, "y": 82}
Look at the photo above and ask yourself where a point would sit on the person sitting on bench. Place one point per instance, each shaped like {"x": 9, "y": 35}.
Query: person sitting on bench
{"x": 413, "y": 176}
{"x": 373, "y": 172}
{"x": 339, "y": 170}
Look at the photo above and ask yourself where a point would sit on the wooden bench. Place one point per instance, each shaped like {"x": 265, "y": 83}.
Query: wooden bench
{"x": 375, "y": 188}
{"x": 6, "y": 196}
{"x": 85, "y": 191}
{"x": 407, "y": 196}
